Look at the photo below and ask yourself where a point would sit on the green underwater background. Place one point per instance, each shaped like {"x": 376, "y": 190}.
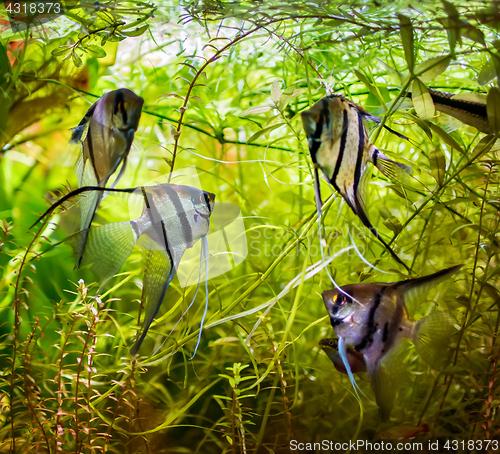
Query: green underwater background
{"x": 224, "y": 84}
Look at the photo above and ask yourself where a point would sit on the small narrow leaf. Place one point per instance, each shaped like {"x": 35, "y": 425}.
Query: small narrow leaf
{"x": 430, "y": 69}
{"x": 264, "y": 131}
{"x": 486, "y": 74}
{"x": 394, "y": 74}
{"x": 445, "y": 137}
{"x": 437, "y": 162}
{"x": 369, "y": 85}
{"x": 59, "y": 51}
{"x": 407, "y": 39}
{"x": 276, "y": 91}
{"x": 137, "y": 32}
{"x": 257, "y": 110}
{"x": 394, "y": 224}
{"x": 493, "y": 108}
{"x": 422, "y": 100}
{"x": 495, "y": 59}
{"x": 76, "y": 59}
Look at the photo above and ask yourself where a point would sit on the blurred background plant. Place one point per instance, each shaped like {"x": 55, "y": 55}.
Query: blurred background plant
{"x": 224, "y": 84}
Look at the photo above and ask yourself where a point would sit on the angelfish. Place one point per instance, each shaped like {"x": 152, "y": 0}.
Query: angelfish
{"x": 173, "y": 219}
{"x": 355, "y": 359}
{"x": 471, "y": 113}
{"x": 340, "y": 148}
{"x": 371, "y": 321}
{"x": 105, "y": 136}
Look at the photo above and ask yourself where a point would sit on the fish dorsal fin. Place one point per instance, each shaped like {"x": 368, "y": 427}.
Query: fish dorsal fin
{"x": 415, "y": 290}
{"x": 385, "y": 378}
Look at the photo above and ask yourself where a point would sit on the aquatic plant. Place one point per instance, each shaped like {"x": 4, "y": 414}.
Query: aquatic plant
{"x": 224, "y": 84}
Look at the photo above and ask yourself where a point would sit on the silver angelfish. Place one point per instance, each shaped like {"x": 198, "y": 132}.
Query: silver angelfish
{"x": 105, "y": 136}
{"x": 371, "y": 321}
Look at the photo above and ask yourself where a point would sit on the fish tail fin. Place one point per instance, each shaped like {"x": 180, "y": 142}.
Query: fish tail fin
{"x": 366, "y": 222}
{"x": 395, "y": 171}
{"x": 431, "y": 337}
{"x": 105, "y": 248}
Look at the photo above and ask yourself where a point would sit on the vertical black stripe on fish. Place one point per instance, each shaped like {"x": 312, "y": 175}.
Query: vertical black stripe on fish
{"x": 343, "y": 141}
{"x": 371, "y": 327}
{"x": 181, "y": 214}
{"x": 118, "y": 101}
{"x": 375, "y": 156}
{"x": 386, "y": 332}
{"x": 324, "y": 121}
{"x": 156, "y": 219}
{"x": 359, "y": 159}
{"x": 91, "y": 153}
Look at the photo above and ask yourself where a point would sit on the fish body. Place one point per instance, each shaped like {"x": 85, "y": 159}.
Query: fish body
{"x": 340, "y": 148}
{"x": 105, "y": 135}
{"x": 471, "y": 113}
{"x": 354, "y": 358}
{"x": 173, "y": 219}
{"x": 372, "y": 320}
{"x": 403, "y": 432}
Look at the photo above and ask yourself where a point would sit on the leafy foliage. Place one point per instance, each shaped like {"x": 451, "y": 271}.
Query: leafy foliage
{"x": 224, "y": 84}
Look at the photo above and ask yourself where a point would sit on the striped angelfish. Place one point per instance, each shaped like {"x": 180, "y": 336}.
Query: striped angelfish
{"x": 371, "y": 321}
{"x": 340, "y": 148}
{"x": 173, "y": 219}
{"x": 105, "y": 136}
{"x": 471, "y": 113}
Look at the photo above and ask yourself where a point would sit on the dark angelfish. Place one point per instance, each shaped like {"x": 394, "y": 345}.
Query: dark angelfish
{"x": 105, "y": 136}
{"x": 340, "y": 148}
{"x": 173, "y": 219}
{"x": 371, "y": 321}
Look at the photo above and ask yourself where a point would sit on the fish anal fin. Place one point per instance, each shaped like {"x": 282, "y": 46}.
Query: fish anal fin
{"x": 431, "y": 336}
{"x": 158, "y": 272}
{"x": 385, "y": 377}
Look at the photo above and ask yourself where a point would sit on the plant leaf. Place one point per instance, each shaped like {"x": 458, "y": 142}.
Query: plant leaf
{"x": 95, "y": 51}
{"x": 394, "y": 74}
{"x": 407, "y": 39}
{"x": 137, "y": 32}
{"x": 430, "y": 69}
{"x": 60, "y": 50}
{"x": 493, "y": 108}
{"x": 437, "y": 162}
{"x": 256, "y": 110}
{"x": 422, "y": 100}
{"x": 486, "y": 74}
{"x": 264, "y": 131}
{"x": 445, "y": 137}
{"x": 276, "y": 91}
